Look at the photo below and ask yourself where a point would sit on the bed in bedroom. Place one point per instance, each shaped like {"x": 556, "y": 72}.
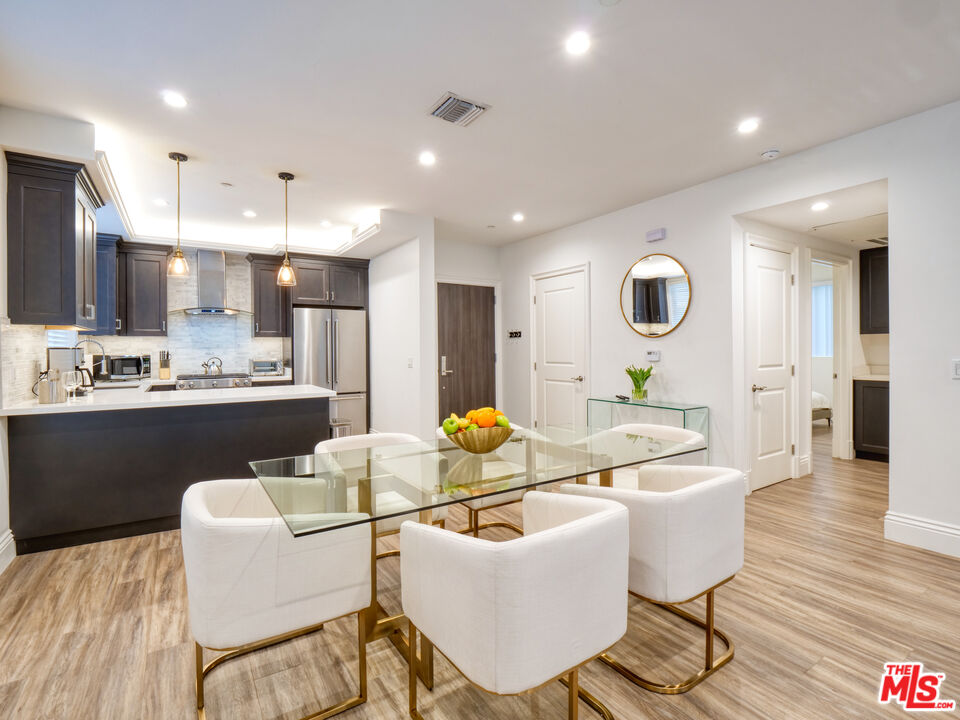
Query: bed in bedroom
{"x": 821, "y": 408}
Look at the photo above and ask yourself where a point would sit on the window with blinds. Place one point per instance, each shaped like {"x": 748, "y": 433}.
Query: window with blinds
{"x": 822, "y": 320}
{"x": 62, "y": 338}
{"x": 678, "y": 297}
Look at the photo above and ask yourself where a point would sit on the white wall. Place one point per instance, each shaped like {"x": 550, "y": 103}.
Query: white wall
{"x": 394, "y": 314}
{"x": 703, "y": 359}
{"x": 821, "y": 377}
{"x": 459, "y": 260}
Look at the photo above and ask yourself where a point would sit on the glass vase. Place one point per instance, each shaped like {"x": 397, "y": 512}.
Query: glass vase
{"x": 640, "y": 394}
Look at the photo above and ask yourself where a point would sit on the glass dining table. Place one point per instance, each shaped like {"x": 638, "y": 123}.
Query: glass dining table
{"x": 382, "y": 485}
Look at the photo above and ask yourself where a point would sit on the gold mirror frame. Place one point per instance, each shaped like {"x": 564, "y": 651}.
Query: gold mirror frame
{"x": 689, "y": 299}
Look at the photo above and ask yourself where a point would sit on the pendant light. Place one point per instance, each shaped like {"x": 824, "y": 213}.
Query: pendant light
{"x": 286, "y": 277}
{"x": 177, "y": 267}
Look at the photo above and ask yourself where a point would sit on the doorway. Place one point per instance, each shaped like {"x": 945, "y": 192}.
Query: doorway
{"x": 466, "y": 342}
{"x": 823, "y": 371}
{"x": 560, "y": 373}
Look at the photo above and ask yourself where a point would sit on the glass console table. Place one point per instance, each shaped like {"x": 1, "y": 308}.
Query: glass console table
{"x": 608, "y": 412}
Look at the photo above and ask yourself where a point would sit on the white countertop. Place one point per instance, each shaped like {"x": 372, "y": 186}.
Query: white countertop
{"x": 138, "y": 398}
{"x": 867, "y": 376}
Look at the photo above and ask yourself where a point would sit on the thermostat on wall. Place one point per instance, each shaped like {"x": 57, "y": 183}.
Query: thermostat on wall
{"x": 656, "y": 234}
{"x": 653, "y": 356}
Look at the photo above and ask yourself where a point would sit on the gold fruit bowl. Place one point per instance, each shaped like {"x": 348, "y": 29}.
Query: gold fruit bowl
{"x": 481, "y": 440}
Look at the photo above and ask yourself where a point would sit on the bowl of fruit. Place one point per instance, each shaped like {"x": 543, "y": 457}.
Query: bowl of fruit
{"x": 479, "y": 431}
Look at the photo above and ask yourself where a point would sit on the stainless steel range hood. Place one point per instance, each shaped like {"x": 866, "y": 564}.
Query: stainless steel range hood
{"x": 211, "y": 286}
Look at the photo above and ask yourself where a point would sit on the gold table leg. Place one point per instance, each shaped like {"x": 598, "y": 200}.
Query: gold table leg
{"x": 606, "y": 478}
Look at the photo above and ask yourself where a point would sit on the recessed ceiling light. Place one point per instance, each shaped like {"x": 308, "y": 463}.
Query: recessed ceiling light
{"x": 518, "y": 217}
{"x": 577, "y": 43}
{"x": 249, "y": 214}
{"x": 820, "y": 206}
{"x": 771, "y": 154}
{"x": 174, "y": 99}
{"x": 160, "y": 202}
{"x": 427, "y": 158}
{"x": 748, "y": 126}
{"x": 326, "y": 223}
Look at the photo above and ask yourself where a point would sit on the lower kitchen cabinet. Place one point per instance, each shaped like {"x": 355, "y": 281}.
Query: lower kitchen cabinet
{"x": 66, "y": 489}
{"x": 871, "y": 419}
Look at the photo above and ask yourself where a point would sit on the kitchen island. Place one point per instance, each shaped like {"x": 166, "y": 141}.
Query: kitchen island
{"x": 115, "y": 463}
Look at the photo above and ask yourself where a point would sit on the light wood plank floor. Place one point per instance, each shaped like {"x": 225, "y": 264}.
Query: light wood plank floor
{"x": 100, "y": 631}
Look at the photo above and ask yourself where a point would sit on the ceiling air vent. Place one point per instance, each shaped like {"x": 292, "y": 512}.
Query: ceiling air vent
{"x": 457, "y": 110}
{"x": 879, "y": 241}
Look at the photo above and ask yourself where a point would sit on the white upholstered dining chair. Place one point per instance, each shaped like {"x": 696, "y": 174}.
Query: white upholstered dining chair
{"x": 513, "y": 616}
{"x": 686, "y": 540}
{"x": 491, "y": 470}
{"x": 653, "y": 438}
{"x": 252, "y": 584}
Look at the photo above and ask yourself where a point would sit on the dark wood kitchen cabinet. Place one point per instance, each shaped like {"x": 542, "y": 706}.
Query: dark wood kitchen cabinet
{"x": 874, "y": 292}
{"x": 51, "y": 242}
{"x": 333, "y": 282}
{"x": 108, "y": 322}
{"x": 270, "y": 301}
{"x": 650, "y": 300}
{"x": 871, "y": 419}
{"x": 142, "y": 289}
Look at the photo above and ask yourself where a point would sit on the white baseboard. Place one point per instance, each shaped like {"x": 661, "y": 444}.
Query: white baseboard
{"x": 928, "y": 534}
{"x": 804, "y": 466}
{"x": 8, "y": 550}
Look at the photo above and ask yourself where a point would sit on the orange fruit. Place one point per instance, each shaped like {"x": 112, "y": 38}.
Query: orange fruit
{"x": 497, "y": 413}
{"x": 486, "y": 419}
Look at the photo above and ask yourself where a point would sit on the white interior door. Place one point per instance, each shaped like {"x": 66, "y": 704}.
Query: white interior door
{"x": 769, "y": 322}
{"x": 561, "y": 352}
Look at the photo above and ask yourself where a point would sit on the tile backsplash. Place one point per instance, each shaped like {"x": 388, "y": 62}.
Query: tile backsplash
{"x": 190, "y": 339}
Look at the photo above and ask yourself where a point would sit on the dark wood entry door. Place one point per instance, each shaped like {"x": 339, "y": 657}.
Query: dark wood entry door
{"x": 467, "y": 346}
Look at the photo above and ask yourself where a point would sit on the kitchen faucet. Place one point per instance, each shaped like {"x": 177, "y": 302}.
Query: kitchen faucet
{"x": 213, "y": 366}
{"x": 103, "y": 353}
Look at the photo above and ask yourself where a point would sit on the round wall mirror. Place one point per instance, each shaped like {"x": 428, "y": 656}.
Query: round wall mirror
{"x": 655, "y": 295}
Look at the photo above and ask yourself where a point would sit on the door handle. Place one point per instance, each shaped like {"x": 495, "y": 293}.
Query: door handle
{"x": 118, "y": 324}
{"x": 336, "y": 351}
{"x": 333, "y": 295}
{"x": 758, "y": 388}
{"x": 329, "y": 348}
{"x": 443, "y": 366}
{"x": 578, "y": 378}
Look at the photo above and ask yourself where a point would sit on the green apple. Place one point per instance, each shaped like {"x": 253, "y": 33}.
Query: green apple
{"x": 502, "y": 421}
{"x": 472, "y": 426}
{"x": 450, "y": 426}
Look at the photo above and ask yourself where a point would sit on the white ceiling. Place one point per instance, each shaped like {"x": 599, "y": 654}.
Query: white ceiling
{"x": 337, "y": 92}
{"x": 855, "y": 215}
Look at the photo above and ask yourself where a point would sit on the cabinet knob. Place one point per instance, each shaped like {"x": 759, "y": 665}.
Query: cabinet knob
{"x": 256, "y": 327}
{"x": 119, "y": 324}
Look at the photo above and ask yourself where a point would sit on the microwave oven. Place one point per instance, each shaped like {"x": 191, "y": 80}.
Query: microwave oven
{"x": 122, "y": 367}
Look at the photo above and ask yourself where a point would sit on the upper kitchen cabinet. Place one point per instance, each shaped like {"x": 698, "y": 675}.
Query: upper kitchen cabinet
{"x": 334, "y": 282}
{"x": 142, "y": 289}
{"x": 108, "y": 321}
{"x": 51, "y": 242}
{"x": 269, "y": 299}
{"x": 313, "y": 282}
{"x": 348, "y": 285}
{"x": 874, "y": 292}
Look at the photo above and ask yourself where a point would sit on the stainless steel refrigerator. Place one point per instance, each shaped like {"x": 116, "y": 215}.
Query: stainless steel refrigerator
{"x": 330, "y": 350}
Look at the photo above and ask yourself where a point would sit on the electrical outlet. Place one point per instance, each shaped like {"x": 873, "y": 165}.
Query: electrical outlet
{"x": 956, "y": 369}
{"x": 409, "y": 362}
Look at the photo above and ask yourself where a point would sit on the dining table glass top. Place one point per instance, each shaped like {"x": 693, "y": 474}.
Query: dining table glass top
{"x": 324, "y": 491}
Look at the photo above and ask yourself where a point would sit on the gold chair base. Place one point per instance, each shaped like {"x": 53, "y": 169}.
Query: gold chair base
{"x": 570, "y": 680}
{"x": 710, "y": 664}
{"x": 203, "y": 670}
{"x": 475, "y": 526}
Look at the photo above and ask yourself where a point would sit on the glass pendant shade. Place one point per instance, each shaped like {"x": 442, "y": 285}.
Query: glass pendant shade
{"x": 286, "y": 276}
{"x": 178, "y": 266}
